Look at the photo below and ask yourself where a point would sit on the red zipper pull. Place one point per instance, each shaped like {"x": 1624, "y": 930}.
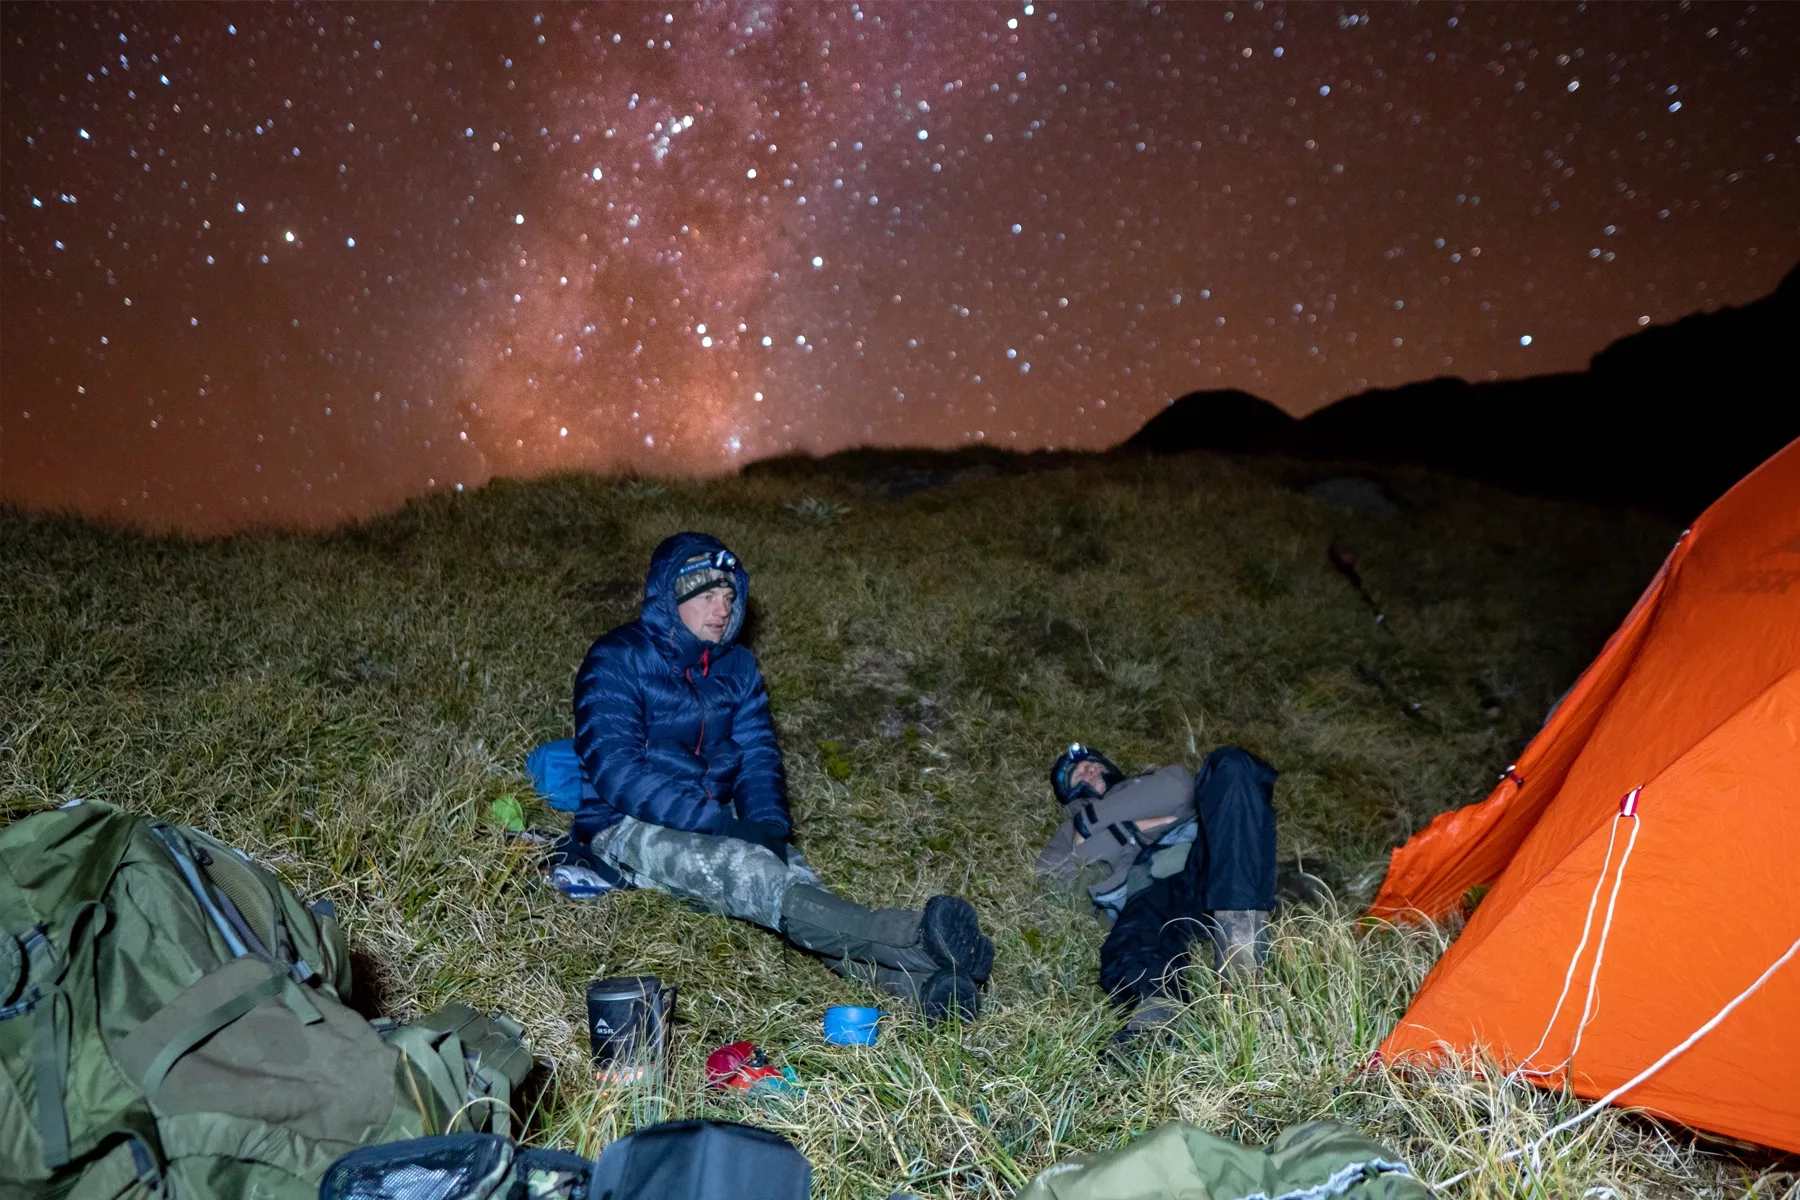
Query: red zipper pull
{"x": 705, "y": 662}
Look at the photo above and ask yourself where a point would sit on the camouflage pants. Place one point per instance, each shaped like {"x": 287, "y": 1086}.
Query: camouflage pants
{"x": 737, "y": 878}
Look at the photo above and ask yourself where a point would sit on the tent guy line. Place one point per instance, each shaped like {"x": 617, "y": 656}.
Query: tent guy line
{"x": 1627, "y": 808}
{"x": 1685, "y": 1045}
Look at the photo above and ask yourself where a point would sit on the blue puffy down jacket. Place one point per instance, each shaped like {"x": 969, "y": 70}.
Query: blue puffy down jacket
{"x": 670, "y": 729}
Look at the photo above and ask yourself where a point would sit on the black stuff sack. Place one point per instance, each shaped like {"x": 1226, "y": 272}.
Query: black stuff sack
{"x": 701, "y": 1160}
{"x": 678, "y": 1160}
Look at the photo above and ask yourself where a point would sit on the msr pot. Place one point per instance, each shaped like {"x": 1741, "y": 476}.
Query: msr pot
{"x": 628, "y": 1026}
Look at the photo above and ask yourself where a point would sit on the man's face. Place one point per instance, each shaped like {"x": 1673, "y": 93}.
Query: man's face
{"x": 707, "y": 614}
{"x": 1089, "y": 772}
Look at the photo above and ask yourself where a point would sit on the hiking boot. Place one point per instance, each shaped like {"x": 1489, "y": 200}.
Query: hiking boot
{"x": 945, "y": 936}
{"x": 947, "y": 993}
{"x": 943, "y": 994}
{"x": 951, "y": 933}
{"x": 1149, "y": 1023}
{"x": 1240, "y": 938}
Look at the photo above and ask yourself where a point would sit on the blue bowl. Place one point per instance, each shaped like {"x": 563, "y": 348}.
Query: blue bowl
{"x": 846, "y": 1025}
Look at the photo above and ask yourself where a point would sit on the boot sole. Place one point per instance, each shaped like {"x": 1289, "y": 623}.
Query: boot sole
{"x": 951, "y": 933}
{"x": 949, "y": 993}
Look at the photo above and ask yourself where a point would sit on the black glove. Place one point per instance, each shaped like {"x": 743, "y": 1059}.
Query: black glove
{"x": 772, "y": 838}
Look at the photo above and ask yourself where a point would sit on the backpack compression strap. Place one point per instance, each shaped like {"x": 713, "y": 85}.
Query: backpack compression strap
{"x": 47, "y": 867}
{"x": 1165, "y": 793}
{"x": 210, "y": 1003}
{"x": 48, "y": 1007}
{"x": 49, "y": 1066}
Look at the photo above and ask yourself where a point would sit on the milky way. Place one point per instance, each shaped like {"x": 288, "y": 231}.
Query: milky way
{"x": 292, "y": 265}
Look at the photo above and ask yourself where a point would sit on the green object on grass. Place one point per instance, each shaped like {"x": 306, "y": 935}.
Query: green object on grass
{"x": 1320, "y": 1160}
{"x": 834, "y": 759}
{"x": 509, "y": 812}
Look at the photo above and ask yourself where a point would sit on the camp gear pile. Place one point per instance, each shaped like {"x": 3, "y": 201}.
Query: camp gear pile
{"x": 174, "y": 1018}
{"x": 745, "y": 1067}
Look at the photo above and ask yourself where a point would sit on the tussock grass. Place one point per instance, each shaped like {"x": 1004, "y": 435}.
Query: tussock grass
{"x": 347, "y": 705}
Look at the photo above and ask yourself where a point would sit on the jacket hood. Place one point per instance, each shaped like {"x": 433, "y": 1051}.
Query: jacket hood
{"x": 661, "y": 616}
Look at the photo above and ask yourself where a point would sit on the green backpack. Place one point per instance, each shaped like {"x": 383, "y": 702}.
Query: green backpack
{"x": 1320, "y": 1160}
{"x": 172, "y": 1023}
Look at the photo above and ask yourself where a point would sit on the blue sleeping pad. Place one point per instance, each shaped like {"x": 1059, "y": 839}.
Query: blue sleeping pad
{"x": 555, "y": 771}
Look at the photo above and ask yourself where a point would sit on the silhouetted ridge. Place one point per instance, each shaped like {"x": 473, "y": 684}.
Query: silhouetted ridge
{"x": 1667, "y": 418}
{"x": 1228, "y": 420}
{"x": 901, "y": 471}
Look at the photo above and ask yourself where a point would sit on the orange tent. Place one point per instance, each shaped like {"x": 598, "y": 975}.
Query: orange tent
{"x": 1673, "y": 911}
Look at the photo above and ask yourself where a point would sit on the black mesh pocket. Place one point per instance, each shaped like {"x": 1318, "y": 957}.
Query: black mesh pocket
{"x": 455, "y": 1166}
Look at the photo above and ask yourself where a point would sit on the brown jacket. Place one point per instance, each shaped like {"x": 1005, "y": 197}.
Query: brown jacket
{"x": 1102, "y": 862}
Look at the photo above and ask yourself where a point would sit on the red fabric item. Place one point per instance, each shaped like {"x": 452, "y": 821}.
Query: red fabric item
{"x": 739, "y": 1065}
{"x": 1695, "y": 700}
{"x": 724, "y": 1062}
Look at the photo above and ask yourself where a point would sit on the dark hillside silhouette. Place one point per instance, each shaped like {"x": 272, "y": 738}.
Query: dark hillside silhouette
{"x": 1228, "y": 420}
{"x": 894, "y": 473}
{"x": 1665, "y": 419}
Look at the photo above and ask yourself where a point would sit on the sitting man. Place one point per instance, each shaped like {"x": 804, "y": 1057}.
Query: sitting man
{"x": 688, "y": 795}
{"x": 1171, "y": 859}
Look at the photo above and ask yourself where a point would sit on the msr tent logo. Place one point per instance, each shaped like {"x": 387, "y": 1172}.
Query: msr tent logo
{"x": 602, "y": 1028}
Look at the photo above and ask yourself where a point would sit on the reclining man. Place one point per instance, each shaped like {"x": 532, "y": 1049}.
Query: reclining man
{"x": 673, "y": 731}
{"x": 1170, "y": 860}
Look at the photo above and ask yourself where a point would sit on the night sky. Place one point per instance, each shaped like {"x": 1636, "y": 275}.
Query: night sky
{"x": 293, "y": 264}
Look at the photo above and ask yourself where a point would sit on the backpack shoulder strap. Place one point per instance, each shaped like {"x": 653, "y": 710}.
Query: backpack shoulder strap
{"x": 498, "y": 1040}
{"x": 473, "y": 1062}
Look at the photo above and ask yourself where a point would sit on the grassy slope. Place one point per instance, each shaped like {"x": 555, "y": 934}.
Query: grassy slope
{"x": 347, "y": 706}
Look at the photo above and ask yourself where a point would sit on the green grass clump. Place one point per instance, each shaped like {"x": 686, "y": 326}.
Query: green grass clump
{"x": 348, "y": 706}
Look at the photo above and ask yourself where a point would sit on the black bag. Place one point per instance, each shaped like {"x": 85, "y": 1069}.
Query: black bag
{"x": 678, "y": 1160}
{"x": 701, "y": 1160}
